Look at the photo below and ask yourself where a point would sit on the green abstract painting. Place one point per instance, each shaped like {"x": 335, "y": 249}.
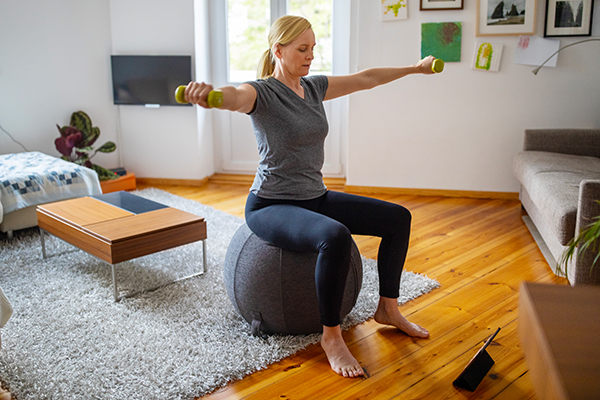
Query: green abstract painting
{"x": 441, "y": 40}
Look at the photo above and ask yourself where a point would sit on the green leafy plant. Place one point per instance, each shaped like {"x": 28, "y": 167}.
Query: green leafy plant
{"x": 76, "y": 140}
{"x": 588, "y": 239}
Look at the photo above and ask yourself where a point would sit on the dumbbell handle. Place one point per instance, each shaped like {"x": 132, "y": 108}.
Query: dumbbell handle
{"x": 437, "y": 66}
{"x": 214, "y": 100}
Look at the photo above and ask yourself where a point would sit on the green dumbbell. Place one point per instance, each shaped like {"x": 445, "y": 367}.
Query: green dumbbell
{"x": 437, "y": 66}
{"x": 214, "y": 100}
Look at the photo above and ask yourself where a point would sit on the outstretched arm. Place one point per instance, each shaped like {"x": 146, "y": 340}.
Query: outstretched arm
{"x": 239, "y": 98}
{"x": 372, "y": 77}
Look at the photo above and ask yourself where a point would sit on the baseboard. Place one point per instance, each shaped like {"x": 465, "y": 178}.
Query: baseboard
{"x": 335, "y": 184}
{"x": 173, "y": 182}
{"x": 432, "y": 192}
{"x": 231, "y": 179}
{"x": 243, "y": 179}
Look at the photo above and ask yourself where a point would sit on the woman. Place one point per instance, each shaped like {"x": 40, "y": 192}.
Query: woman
{"x": 289, "y": 205}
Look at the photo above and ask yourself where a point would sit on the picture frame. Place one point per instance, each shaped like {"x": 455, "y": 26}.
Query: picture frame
{"x": 487, "y": 56}
{"x": 394, "y": 10}
{"x": 442, "y": 40}
{"x": 433, "y": 5}
{"x": 492, "y": 20}
{"x": 568, "y": 18}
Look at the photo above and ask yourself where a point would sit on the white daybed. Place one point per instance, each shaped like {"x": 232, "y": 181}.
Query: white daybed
{"x": 29, "y": 179}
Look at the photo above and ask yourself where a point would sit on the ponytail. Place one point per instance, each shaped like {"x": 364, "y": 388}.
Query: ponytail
{"x": 266, "y": 65}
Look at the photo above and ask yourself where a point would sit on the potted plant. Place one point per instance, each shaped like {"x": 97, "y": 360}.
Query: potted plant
{"x": 76, "y": 140}
{"x": 588, "y": 239}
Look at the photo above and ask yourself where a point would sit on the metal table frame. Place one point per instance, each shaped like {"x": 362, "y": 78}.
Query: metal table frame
{"x": 118, "y": 297}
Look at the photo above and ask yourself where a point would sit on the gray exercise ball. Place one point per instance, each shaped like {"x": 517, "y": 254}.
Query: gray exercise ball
{"x": 274, "y": 289}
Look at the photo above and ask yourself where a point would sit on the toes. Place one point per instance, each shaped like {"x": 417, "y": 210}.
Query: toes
{"x": 356, "y": 372}
{"x": 422, "y": 331}
{"x": 351, "y": 372}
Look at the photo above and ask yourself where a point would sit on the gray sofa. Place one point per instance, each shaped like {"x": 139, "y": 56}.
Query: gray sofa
{"x": 559, "y": 172}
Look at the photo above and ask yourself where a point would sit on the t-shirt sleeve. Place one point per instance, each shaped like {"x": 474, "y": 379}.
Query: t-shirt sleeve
{"x": 321, "y": 83}
{"x": 257, "y": 87}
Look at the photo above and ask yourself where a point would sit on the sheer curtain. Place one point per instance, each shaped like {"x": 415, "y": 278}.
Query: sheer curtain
{"x": 203, "y": 74}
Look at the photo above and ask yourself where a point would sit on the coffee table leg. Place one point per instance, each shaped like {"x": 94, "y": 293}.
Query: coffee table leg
{"x": 204, "y": 263}
{"x": 116, "y": 290}
{"x": 114, "y": 278}
{"x": 42, "y": 234}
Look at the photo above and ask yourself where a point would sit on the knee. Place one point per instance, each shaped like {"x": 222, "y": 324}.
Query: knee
{"x": 402, "y": 215}
{"x": 336, "y": 238}
{"x": 398, "y": 215}
{"x": 399, "y": 219}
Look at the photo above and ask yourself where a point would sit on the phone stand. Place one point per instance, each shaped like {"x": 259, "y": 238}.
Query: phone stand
{"x": 477, "y": 368}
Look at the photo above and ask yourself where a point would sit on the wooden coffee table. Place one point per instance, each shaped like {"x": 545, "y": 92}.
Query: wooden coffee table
{"x": 120, "y": 226}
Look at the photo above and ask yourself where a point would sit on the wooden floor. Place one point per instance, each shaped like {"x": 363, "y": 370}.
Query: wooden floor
{"x": 479, "y": 250}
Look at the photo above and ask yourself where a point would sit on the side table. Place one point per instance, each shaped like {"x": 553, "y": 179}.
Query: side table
{"x": 559, "y": 327}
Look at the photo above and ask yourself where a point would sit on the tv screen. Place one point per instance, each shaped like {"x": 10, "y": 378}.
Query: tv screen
{"x": 149, "y": 79}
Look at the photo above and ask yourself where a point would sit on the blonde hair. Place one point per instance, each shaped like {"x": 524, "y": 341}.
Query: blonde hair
{"x": 283, "y": 31}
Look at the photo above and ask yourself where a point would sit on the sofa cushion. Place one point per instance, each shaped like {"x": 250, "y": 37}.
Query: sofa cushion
{"x": 552, "y": 181}
{"x": 528, "y": 164}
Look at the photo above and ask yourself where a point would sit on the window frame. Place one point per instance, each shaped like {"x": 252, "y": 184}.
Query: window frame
{"x": 231, "y": 140}
{"x": 220, "y": 43}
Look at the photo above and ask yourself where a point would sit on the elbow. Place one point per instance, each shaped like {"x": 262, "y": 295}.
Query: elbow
{"x": 369, "y": 80}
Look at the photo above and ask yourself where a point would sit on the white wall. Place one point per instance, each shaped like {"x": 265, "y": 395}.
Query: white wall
{"x": 163, "y": 142}
{"x": 54, "y": 60}
{"x": 458, "y": 130}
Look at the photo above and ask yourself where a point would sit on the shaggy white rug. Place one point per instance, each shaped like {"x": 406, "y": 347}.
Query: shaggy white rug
{"x": 68, "y": 339}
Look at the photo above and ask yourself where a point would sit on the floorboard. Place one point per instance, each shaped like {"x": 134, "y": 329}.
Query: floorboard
{"x": 479, "y": 250}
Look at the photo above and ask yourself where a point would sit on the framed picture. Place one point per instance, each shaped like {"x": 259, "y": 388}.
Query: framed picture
{"x": 394, "y": 10}
{"x": 442, "y": 40}
{"x": 533, "y": 50}
{"x": 499, "y": 17}
{"x": 568, "y": 18}
{"x": 487, "y": 56}
{"x": 429, "y": 5}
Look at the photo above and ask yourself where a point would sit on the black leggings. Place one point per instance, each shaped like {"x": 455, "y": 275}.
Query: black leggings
{"x": 324, "y": 225}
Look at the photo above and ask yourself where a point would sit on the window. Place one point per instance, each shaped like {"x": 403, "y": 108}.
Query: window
{"x": 248, "y": 23}
{"x": 237, "y": 30}
{"x": 248, "y": 26}
{"x": 318, "y": 12}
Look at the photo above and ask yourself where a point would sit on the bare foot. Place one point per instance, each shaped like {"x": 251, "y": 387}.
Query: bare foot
{"x": 388, "y": 314}
{"x": 338, "y": 354}
{"x": 4, "y": 395}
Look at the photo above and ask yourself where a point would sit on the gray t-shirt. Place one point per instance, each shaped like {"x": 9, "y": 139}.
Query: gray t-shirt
{"x": 290, "y": 133}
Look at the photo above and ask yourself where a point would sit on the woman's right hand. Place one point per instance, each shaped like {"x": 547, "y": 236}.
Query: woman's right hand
{"x": 240, "y": 99}
{"x": 197, "y": 93}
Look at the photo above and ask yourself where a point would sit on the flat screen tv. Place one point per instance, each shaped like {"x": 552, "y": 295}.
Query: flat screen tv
{"x": 149, "y": 80}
